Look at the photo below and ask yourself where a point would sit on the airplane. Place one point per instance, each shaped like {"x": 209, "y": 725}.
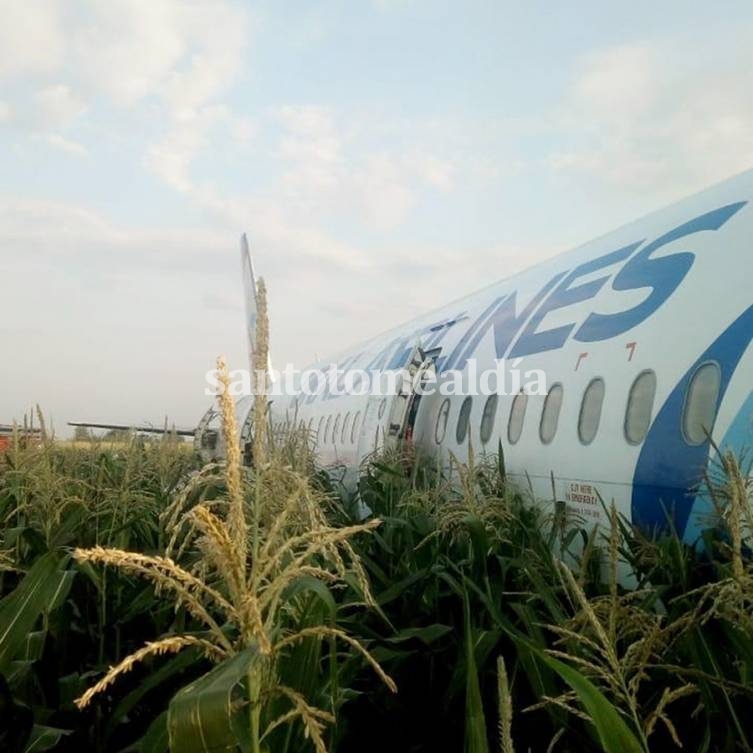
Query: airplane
{"x": 643, "y": 336}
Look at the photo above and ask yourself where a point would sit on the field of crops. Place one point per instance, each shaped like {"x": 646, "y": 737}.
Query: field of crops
{"x": 150, "y": 605}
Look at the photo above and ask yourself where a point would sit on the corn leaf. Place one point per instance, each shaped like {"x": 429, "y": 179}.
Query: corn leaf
{"x": 426, "y": 635}
{"x": 614, "y": 734}
{"x": 44, "y": 738}
{"x": 475, "y": 722}
{"x": 200, "y": 718}
{"x": 42, "y": 588}
{"x": 155, "y": 739}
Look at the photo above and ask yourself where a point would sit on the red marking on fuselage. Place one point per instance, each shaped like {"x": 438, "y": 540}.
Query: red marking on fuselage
{"x": 631, "y": 348}
{"x": 580, "y": 358}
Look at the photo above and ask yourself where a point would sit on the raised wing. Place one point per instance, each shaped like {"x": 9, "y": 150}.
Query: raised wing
{"x": 249, "y": 296}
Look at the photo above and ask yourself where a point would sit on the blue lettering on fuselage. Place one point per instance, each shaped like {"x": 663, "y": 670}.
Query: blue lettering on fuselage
{"x": 519, "y": 334}
{"x": 566, "y": 294}
{"x": 393, "y": 355}
{"x": 505, "y": 323}
{"x": 660, "y": 276}
{"x": 476, "y": 326}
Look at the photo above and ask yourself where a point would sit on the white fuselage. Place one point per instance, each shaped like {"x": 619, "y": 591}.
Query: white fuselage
{"x": 666, "y": 301}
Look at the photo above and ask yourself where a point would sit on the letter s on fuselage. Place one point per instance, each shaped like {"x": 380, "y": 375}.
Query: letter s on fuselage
{"x": 662, "y": 276}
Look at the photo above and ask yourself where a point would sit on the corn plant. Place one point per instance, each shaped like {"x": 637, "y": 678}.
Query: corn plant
{"x": 243, "y": 566}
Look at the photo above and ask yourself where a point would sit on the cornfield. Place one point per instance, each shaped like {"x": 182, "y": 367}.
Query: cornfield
{"x": 149, "y": 604}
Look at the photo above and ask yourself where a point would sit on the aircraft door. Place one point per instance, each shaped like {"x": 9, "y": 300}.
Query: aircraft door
{"x": 388, "y": 419}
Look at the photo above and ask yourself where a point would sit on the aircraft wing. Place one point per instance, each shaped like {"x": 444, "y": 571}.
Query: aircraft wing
{"x": 249, "y": 295}
{"x": 141, "y": 428}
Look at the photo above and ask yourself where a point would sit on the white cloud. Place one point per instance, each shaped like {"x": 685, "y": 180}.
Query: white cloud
{"x": 176, "y": 56}
{"x": 31, "y": 37}
{"x": 335, "y": 164}
{"x": 218, "y": 35}
{"x": 70, "y": 146}
{"x": 171, "y": 158}
{"x": 126, "y": 49}
{"x": 170, "y": 63}
{"x": 434, "y": 171}
{"x": 57, "y": 106}
{"x": 68, "y": 235}
{"x": 190, "y": 133}
{"x": 326, "y": 167}
{"x": 384, "y": 189}
{"x": 654, "y": 117}
{"x": 183, "y": 53}
{"x": 312, "y": 145}
{"x": 620, "y": 83}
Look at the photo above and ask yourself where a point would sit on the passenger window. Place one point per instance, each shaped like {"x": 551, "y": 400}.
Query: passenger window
{"x": 639, "y": 407}
{"x": 550, "y": 413}
{"x": 335, "y": 428}
{"x": 517, "y": 415}
{"x": 382, "y": 407}
{"x": 354, "y": 430}
{"x": 699, "y": 412}
{"x": 346, "y": 426}
{"x": 464, "y": 417}
{"x": 487, "y": 418}
{"x": 441, "y": 427}
{"x": 590, "y": 411}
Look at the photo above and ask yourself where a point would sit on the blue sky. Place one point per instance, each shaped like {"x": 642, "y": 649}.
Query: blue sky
{"x": 384, "y": 157}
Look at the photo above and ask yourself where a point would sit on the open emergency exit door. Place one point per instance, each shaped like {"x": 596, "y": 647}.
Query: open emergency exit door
{"x": 389, "y": 418}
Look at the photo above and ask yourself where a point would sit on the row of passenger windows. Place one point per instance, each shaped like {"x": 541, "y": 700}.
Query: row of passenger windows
{"x": 699, "y": 410}
{"x": 338, "y": 434}
{"x": 698, "y": 415}
{"x": 335, "y": 432}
